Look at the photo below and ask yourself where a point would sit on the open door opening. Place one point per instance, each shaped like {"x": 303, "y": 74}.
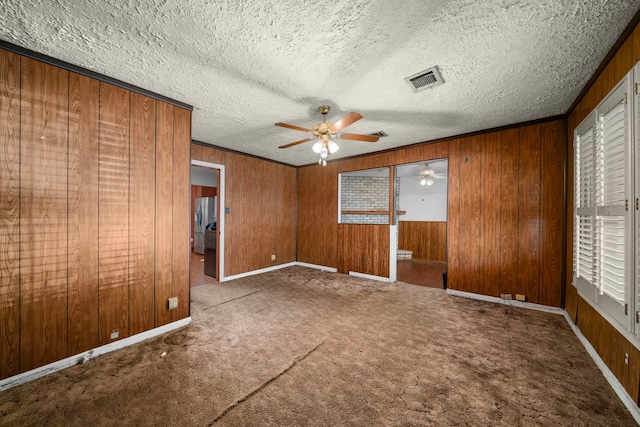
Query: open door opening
{"x": 205, "y": 225}
{"x": 421, "y": 201}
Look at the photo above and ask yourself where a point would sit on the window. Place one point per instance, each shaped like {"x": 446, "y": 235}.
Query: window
{"x": 612, "y": 202}
{"x": 603, "y": 246}
{"x": 364, "y": 197}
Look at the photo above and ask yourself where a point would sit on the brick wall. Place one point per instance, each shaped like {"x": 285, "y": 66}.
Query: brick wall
{"x": 365, "y": 193}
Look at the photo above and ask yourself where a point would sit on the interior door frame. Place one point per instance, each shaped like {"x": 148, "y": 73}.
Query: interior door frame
{"x": 221, "y": 213}
{"x": 393, "y": 259}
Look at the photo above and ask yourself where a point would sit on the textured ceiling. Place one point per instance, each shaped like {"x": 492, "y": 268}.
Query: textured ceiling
{"x": 247, "y": 65}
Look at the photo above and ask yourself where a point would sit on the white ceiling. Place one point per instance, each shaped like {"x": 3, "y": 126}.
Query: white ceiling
{"x": 204, "y": 176}
{"x": 246, "y": 65}
{"x": 439, "y": 167}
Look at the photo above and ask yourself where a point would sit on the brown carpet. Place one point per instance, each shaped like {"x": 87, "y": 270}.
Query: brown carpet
{"x": 299, "y": 347}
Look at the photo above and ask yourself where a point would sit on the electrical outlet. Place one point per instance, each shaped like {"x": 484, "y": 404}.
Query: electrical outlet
{"x": 173, "y": 303}
{"x": 626, "y": 358}
{"x": 114, "y": 335}
{"x": 506, "y": 296}
{"x": 273, "y": 257}
{"x": 521, "y": 297}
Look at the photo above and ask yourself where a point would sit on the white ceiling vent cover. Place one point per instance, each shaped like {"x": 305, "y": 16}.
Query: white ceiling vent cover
{"x": 425, "y": 79}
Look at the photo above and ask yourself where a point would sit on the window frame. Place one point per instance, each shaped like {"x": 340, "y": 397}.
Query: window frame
{"x": 618, "y": 313}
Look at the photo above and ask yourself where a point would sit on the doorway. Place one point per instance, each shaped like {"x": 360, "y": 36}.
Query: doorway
{"x": 421, "y": 202}
{"x": 207, "y": 198}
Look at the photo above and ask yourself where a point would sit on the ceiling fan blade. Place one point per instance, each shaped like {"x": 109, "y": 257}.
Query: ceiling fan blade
{"x": 284, "y": 125}
{"x": 345, "y": 121}
{"x": 356, "y": 137}
{"x": 295, "y": 143}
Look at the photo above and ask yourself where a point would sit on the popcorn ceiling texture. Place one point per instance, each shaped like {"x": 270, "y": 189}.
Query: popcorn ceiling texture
{"x": 246, "y": 65}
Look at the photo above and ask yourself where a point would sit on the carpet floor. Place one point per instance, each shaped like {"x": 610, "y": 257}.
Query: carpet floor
{"x": 300, "y": 347}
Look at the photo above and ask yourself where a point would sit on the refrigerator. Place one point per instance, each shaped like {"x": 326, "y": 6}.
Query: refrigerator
{"x": 204, "y": 219}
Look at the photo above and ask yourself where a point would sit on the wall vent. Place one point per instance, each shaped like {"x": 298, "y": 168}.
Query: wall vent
{"x": 425, "y": 79}
{"x": 379, "y": 134}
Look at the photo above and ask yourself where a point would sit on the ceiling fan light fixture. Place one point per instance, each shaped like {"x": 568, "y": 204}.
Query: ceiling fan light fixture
{"x": 429, "y": 181}
{"x": 427, "y": 172}
{"x": 325, "y": 146}
{"x": 423, "y": 181}
{"x": 317, "y": 147}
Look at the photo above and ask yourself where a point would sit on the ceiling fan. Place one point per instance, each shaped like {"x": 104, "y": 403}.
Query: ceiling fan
{"x": 323, "y": 131}
{"x": 427, "y": 175}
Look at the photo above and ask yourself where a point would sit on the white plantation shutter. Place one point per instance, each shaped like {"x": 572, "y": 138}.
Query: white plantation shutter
{"x": 585, "y": 170}
{"x": 612, "y": 127}
{"x": 612, "y": 227}
{"x": 585, "y": 255}
{"x": 610, "y": 198}
{"x": 584, "y": 222}
{"x": 612, "y": 259}
{"x": 603, "y": 222}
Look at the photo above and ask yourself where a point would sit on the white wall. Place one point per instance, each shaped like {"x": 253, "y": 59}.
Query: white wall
{"x": 423, "y": 202}
{"x": 204, "y": 176}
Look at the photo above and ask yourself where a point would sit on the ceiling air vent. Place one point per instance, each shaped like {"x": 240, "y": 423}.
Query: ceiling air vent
{"x": 379, "y": 134}
{"x": 425, "y": 79}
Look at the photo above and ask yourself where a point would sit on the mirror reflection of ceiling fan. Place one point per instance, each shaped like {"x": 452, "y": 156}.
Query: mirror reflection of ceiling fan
{"x": 324, "y": 131}
{"x": 427, "y": 175}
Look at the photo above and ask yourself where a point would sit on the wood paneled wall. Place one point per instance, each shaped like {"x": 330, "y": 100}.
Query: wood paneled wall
{"x": 142, "y": 187}
{"x": 318, "y": 215}
{"x": 363, "y": 248}
{"x": 505, "y": 211}
{"x": 262, "y": 201}
{"x": 608, "y": 342}
{"x": 508, "y": 212}
{"x": 79, "y": 198}
{"x": 9, "y": 214}
{"x": 44, "y": 115}
{"x": 426, "y": 239}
